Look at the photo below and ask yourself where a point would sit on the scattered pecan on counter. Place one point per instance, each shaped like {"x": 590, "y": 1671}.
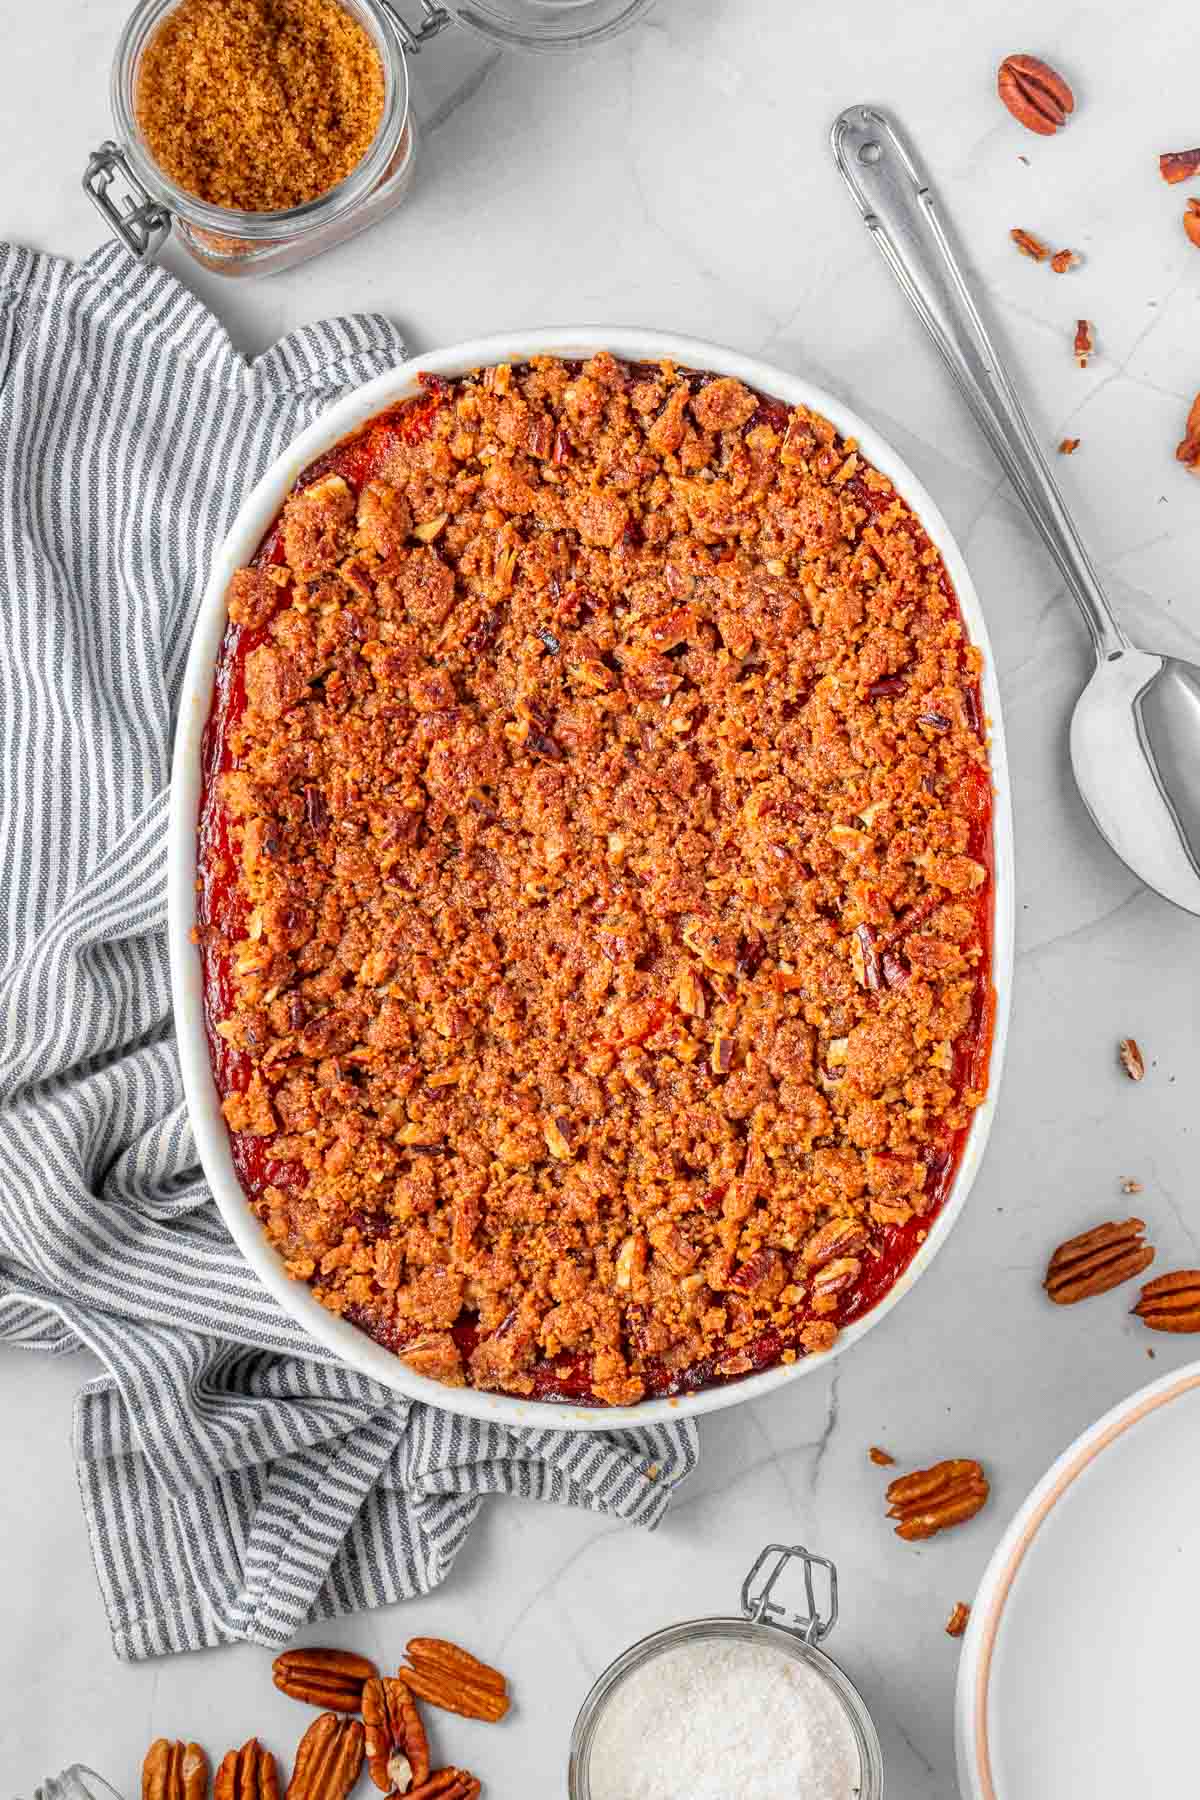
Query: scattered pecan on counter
{"x": 1132, "y": 1060}
{"x": 1064, "y": 260}
{"x": 956, "y": 1624}
{"x": 326, "y": 1678}
{"x": 1191, "y": 222}
{"x": 881, "y": 1458}
{"x": 1178, "y": 165}
{"x": 329, "y": 1759}
{"x": 396, "y": 1745}
{"x": 1096, "y": 1261}
{"x": 932, "y": 1500}
{"x": 1035, "y": 94}
{"x": 1188, "y": 451}
{"x": 1085, "y": 343}
{"x": 247, "y": 1774}
{"x": 1069, "y": 446}
{"x": 1171, "y": 1302}
{"x": 174, "y": 1771}
{"x": 1029, "y": 245}
{"x": 449, "y": 1677}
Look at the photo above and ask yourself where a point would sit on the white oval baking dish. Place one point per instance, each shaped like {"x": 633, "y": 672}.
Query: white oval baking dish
{"x": 334, "y": 1335}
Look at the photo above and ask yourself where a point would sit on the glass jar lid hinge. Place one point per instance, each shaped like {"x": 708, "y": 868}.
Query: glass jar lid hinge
{"x": 141, "y": 223}
{"x": 434, "y": 18}
{"x": 812, "y": 1625}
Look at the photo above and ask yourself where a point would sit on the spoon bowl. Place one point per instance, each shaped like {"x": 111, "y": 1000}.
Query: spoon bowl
{"x": 1135, "y": 750}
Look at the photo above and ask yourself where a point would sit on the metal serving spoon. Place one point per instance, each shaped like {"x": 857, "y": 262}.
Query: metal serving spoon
{"x": 1135, "y": 731}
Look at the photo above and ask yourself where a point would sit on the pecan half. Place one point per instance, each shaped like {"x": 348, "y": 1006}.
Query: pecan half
{"x": 1191, "y": 222}
{"x": 1085, "y": 343}
{"x": 931, "y": 1500}
{"x": 329, "y": 1759}
{"x": 174, "y": 1771}
{"x": 453, "y": 1679}
{"x": 881, "y": 1458}
{"x": 1029, "y": 245}
{"x": 1096, "y": 1261}
{"x": 1178, "y": 165}
{"x": 1131, "y": 1057}
{"x": 837, "y": 1237}
{"x": 447, "y": 1784}
{"x": 326, "y": 1678}
{"x": 1065, "y": 260}
{"x": 247, "y": 1774}
{"x": 956, "y": 1624}
{"x": 1035, "y": 94}
{"x": 395, "y": 1742}
{"x": 1171, "y": 1302}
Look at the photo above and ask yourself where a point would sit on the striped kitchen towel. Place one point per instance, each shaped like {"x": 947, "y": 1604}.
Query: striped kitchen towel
{"x": 236, "y": 1483}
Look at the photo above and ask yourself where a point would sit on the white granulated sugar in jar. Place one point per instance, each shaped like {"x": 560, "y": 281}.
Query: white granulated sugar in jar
{"x": 723, "y": 1719}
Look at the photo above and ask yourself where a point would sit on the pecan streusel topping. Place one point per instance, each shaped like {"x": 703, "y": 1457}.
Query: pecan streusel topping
{"x": 605, "y": 826}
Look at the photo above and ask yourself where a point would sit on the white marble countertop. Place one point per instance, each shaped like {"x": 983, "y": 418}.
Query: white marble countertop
{"x": 680, "y": 177}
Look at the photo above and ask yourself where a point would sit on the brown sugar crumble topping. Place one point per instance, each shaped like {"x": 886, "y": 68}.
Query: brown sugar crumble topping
{"x": 596, "y": 880}
{"x": 259, "y": 105}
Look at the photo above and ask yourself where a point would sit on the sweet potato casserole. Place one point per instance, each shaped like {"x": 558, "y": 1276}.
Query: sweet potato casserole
{"x": 595, "y": 880}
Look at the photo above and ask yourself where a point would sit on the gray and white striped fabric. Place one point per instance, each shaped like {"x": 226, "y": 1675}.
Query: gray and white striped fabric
{"x": 235, "y": 1482}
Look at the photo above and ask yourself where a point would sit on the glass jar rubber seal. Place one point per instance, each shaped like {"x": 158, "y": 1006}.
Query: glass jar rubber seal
{"x": 763, "y": 1621}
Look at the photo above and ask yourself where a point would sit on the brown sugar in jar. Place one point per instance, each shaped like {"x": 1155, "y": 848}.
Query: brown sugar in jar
{"x": 259, "y": 105}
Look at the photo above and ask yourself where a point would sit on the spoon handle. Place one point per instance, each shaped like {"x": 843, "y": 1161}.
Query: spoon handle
{"x": 898, "y": 208}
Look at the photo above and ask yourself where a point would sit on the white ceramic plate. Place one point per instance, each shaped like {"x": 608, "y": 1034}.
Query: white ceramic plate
{"x": 1078, "y": 1672}
{"x": 257, "y": 512}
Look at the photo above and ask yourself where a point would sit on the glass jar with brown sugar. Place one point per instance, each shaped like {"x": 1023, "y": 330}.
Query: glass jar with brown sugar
{"x": 266, "y": 131}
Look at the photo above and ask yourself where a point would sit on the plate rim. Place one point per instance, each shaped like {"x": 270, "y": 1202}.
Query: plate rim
{"x": 972, "y": 1734}
{"x": 333, "y": 1337}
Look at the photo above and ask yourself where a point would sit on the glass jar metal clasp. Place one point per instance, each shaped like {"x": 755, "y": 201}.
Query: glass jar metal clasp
{"x": 136, "y": 217}
{"x": 434, "y": 18}
{"x": 761, "y": 1609}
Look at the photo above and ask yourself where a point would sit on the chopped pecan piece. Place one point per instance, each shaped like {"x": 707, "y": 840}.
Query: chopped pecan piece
{"x": 1085, "y": 344}
{"x": 881, "y": 1458}
{"x": 1171, "y": 1302}
{"x": 396, "y": 1747}
{"x": 1035, "y": 94}
{"x": 1064, "y": 260}
{"x": 1131, "y": 1057}
{"x": 932, "y": 1500}
{"x": 1191, "y": 222}
{"x": 449, "y": 1677}
{"x": 956, "y": 1624}
{"x": 1068, "y": 447}
{"x": 174, "y": 1771}
{"x": 329, "y": 1759}
{"x": 247, "y": 1774}
{"x": 1129, "y": 1185}
{"x": 1029, "y": 245}
{"x": 326, "y": 1678}
{"x": 1189, "y": 450}
{"x": 1096, "y": 1261}
{"x": 1178, "y": 165}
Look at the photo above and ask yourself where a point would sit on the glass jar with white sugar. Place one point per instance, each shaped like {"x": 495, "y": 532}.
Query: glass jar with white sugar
{"x": 726, "y": 1708}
